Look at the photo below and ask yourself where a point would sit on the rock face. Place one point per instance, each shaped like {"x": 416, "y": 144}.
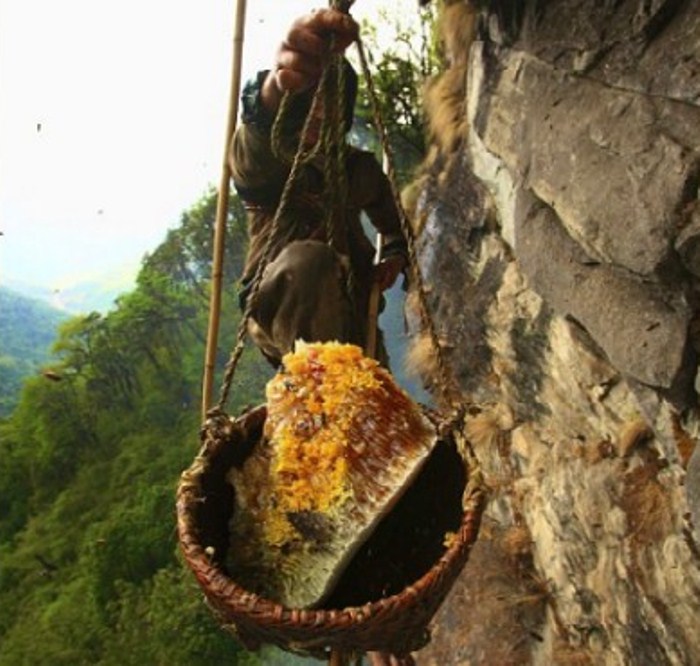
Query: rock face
{"x": 561, "y": 195}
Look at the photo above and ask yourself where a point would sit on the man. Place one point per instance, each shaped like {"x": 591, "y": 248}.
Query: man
{"x": 311, "y": 289}
{"x": 305, "y": 292}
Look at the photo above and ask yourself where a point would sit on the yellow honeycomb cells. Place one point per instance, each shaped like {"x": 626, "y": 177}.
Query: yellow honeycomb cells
{"x": 312, "y": 406}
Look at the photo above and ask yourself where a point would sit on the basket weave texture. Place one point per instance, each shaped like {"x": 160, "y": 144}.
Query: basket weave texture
{"x": 396, "y": 624}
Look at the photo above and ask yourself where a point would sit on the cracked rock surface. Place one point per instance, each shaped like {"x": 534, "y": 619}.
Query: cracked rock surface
{"x": 560, "y": 237}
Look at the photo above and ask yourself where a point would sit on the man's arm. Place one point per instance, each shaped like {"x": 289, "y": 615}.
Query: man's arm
{"x": 302, "y": 53}
{"x": 373, "y": 191}
{"x": 257, "y": 173}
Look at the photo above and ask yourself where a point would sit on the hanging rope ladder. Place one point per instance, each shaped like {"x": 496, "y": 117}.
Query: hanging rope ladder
{"x": 395, "y": 624}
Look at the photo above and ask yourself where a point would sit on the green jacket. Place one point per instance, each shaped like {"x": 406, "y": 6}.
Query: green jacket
{"x": 259, "y": 177}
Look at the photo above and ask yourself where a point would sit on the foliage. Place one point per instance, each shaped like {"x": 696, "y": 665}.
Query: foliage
{"x": 27, "y": 329}
{"x": 398, "y": 74}
{"x": 89, "y": 462}
{"x": 90, "y": 457}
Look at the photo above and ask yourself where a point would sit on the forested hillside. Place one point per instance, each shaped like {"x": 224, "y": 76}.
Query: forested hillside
{"x": 89, "y": 462}
{"x": 90, "y": 458}
{"x": 27, "y": 329}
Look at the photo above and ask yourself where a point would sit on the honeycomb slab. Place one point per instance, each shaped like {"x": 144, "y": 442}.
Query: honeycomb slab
{"x": 341, "y": 443}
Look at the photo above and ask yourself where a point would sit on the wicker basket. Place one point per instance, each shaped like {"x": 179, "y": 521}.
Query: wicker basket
{"x": 395, "y": 622}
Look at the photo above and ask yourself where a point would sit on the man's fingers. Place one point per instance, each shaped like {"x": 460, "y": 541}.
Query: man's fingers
{"x": 310, "y": 33}
{"x": 325, "y": 21}
{"x": 291, "y": 80}
{"x": 386, "y": 659}
{"x": 300, "y": 57}
{"x": 388, "y": 270}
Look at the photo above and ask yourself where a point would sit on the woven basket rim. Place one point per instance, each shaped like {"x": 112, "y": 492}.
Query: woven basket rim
{"x": 239, "y": 604}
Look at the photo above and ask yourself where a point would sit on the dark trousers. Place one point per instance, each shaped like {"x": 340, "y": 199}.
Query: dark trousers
{"x": 304, "y": 295}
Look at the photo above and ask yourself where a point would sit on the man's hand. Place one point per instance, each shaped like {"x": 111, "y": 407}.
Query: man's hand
{"x": 301, "y": 55}
{"x": 388, "y": 270}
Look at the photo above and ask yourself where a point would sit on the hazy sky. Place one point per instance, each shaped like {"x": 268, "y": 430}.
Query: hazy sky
{"x": 112, "y": 122}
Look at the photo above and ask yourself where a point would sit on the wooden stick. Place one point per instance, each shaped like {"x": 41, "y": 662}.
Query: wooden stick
{"x": 338, "y": 658}
{"x": 373, "y": 308}
{"x": 375, "y": 295}
{"x": 222, "y": 211}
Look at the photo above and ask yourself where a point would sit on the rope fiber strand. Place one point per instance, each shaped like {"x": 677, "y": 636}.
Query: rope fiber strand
{"x": 330, "y": 93}
{"x": 446, "y": 383}
{"x": 328, "y": 98}
{"x": 389, "y": 628}
{"x": 297, "y": 163}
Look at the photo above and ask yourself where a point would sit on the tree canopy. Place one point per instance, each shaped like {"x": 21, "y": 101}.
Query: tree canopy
{"x": 399, "y": 69}
{"x": 27, "y": 329}
{"x": 92, "y": 452}
{"x": 89, "y": 464}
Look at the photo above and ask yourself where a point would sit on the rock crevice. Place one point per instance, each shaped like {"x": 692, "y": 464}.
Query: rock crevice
{"x": 559, "y": 231}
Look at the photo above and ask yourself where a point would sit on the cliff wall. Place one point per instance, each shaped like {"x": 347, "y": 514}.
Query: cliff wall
{"x": 558, "y": 227}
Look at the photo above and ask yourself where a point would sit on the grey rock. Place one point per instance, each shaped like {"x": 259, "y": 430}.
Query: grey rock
{"x": 641, "y": 327}
{"x": 582, "y": 299}
{"x": 451, "y": 252}
{"x": 567, "y": 137}
{"x": 659, "y": 38}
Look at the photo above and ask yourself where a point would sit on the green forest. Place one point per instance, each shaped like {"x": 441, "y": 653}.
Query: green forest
{"x": 92, "y": 448}
{"x": 89, "y": 462}
{"x": 91, "y": 456}
{"x": 27, "y": 329}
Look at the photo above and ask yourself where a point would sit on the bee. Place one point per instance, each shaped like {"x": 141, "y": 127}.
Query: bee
{"x": 53, "y": 376}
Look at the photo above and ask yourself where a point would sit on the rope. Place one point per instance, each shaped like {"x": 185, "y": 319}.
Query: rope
{"x": 335, "y": 152}
{"x": 297, "y": 163}
{"x": 332, "y": 141}
{"x": 277, "y": 142}
{"x": 446, "y": 383}
{"x": 331, "y": 90}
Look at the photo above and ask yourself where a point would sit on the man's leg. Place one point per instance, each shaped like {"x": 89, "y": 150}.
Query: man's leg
{"x": 302, "y": 296}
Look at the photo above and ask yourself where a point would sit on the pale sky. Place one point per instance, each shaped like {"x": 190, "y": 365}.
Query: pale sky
{"x": 112, "y": 123}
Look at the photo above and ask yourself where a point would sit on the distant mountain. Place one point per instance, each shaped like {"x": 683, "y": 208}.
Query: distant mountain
{"x": 27, "y": 330}
{"x": 94, "y": 293}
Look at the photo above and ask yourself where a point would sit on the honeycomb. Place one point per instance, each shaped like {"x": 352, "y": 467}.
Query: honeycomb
{"x": 341, "y": 443}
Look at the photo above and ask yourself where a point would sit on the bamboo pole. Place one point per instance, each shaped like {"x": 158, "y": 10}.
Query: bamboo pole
{"x": 222, "y": 211}
{"x": 376, "y": 294}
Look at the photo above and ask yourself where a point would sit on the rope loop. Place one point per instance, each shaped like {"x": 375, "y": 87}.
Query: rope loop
{"x": 327, "y": 105}
{"x": 285, "y": 198}
{"x": 446, "y": 382}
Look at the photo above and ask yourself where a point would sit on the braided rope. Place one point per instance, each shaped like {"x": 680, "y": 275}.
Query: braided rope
{"x": 297, "y": 163}
{"x": 446, "y": 382}
{"x": 350, "y": 631}
{"x": 332, "y": 136}
{"x": 335, "y": 150}
{"x": 277, "y": 144}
